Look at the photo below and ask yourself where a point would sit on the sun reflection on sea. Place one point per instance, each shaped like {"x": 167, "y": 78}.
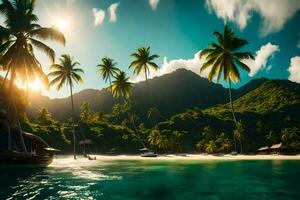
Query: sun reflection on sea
{"x": 82, "y": 168}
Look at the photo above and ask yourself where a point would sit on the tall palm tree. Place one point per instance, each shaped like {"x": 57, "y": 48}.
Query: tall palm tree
{"x": 19, "y": 36}
{"x": 143, "y": 61}
{"x": 223, "y": 58}
{"x": 121, "y": 87}
{"x": 66, "y": 73}
{"x": 107, "y": 69}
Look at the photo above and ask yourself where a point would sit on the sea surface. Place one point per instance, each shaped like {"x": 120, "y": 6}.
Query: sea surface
{"x": 154, "y": 179}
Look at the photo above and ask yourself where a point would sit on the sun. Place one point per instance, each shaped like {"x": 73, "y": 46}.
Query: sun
{"x": 63, "y": 25}
{"x": 34, "y": 85}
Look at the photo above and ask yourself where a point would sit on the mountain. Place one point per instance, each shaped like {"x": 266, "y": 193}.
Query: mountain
{"x": 189, "y": 104}
{"x": 271, "y": 107}
{"x": 171, "y": 93}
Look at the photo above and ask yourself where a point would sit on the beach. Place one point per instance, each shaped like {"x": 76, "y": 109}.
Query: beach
{"x": 173, "y": 157}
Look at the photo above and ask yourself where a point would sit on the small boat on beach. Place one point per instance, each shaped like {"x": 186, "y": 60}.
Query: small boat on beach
{"x": 147, "y": 153}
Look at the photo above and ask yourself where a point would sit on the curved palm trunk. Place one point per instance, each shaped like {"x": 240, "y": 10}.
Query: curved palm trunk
{"x": 73, "y": 125}
{"x": 232, "y": 111}
{"x": 134, "y": 127}
{"x": 137, "y": 131}
{"x": 23, "y": 146}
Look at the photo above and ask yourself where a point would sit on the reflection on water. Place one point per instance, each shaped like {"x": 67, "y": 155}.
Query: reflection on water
{"x": 137, "y": 179}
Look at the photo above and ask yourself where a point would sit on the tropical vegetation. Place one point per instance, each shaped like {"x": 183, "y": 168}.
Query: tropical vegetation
{"x": 265, "y": 112}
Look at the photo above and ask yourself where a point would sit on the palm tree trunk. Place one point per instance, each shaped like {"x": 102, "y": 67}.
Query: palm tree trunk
{"x": 73, "y": 125}
{"x": 148, "y": 87}
{"x": 5, "y": 78}
{"x": 23, "y": 146}
{"x": 232, "y": 111}
{"x": 110, "y": 85}
{"x": 241, "y": 146}
{"x": 134, "y": 127}
{"x": 146, "y": 76}
{"x": 137, "y": 131}
{"x": 9, "y": 143}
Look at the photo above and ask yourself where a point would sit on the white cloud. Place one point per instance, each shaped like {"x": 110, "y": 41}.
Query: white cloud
{"x": 99, "y": 16}
{"x": 274, "y": 13}
{"x": 112, "y": 11}
{"x": 167, "y": 67}
{"x": 193, "y": 64}
{"x": 261, "y": 58}
{"x": 153, "y": 4}
{"x": 294, "y": 69}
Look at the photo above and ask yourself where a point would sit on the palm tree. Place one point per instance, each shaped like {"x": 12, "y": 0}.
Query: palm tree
{"x": 143, "y": 61}
{"x": 107, "y": 69}
{"x": 66, "y": 73}
{"x": 224, "y": 142}
{"x": 210, "y": 147}
{"x": 153, "y": 138}
{"x": 20, "y": 35}
{"x": 18, "y": 38}
{"x": 176, "y": 139}
{"x": 223, "y": 58}
{"x": 121, "y": 86}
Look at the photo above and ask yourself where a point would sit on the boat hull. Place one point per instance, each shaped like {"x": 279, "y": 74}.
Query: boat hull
{"x": 22, "y": 159}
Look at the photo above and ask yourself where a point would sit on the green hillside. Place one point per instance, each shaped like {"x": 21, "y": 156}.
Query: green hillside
{"x": 190, "y": 109}
{"x": 271, "y": 96}
{"x": 273, "y": 106}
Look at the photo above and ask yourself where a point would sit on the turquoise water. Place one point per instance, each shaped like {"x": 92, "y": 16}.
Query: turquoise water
{"x": 137, "y": 179}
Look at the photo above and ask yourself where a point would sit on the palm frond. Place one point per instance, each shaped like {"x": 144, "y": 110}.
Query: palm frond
{"x": 205, "y": 52}
{"x": 242, "y": 65}
{"x": 243, "y": 55}
{"x": 43, "y": 47}
{"x": 48, "y": 34}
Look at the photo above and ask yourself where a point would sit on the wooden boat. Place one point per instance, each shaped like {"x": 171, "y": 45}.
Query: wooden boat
{"x": 37, "y": 154}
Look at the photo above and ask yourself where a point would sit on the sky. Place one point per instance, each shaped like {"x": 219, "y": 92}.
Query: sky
{"x": 176, "y": 30}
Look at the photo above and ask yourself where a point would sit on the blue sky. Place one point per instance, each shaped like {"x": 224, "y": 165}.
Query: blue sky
{"x": 174, "y": 29}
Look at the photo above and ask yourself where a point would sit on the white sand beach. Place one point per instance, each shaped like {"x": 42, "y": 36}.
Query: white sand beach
{"x": 202, "y": 157}
{"x": 189, "y": 157}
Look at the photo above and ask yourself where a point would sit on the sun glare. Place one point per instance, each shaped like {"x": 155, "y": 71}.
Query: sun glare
{"x": 35, "y": 85}
{"x": 63, "y": 25}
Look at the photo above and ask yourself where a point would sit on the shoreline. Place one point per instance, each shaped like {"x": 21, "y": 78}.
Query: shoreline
{"x": 197, "y": 157}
